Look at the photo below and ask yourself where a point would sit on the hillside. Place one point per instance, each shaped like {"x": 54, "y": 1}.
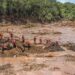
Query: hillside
{"x": 24, "y": 11}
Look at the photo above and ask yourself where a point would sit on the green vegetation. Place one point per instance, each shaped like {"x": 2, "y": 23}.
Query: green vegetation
{"x": 35, "y": 10}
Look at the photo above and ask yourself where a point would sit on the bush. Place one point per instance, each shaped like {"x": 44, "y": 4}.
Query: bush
{"x": 39, "y": 10}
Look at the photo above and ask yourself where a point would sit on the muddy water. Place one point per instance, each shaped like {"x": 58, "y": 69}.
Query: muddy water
{"x": 67, "y": 34}
{"x": 57, "y": 65}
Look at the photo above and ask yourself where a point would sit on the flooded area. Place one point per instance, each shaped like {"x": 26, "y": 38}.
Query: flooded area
{"x": 56, "y": 33}
{"x": 51, "y": 63}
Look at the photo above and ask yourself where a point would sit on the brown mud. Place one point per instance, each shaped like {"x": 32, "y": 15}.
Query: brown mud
{"x": 37, "y": 60}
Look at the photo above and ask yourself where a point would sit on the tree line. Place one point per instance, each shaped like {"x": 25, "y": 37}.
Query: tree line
{"x": 36, "y": 10}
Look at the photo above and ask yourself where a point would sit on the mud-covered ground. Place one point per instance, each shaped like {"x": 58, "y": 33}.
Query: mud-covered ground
{"x": 60, "y": 65}
{"x": 38, "y": 61}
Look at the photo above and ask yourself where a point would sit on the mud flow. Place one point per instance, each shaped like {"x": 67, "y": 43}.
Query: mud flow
{"x": 44, "y": 50}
